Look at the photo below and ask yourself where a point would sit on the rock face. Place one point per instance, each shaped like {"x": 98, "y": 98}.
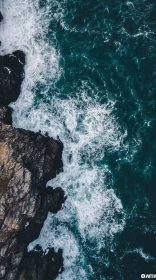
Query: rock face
{"x": 11, "y": 76}
{"x": 27, "y": 162}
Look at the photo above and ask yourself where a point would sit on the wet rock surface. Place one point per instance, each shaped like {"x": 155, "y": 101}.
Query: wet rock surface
{"x": 11, "y": 76}
{"x": 39, "y": 266}
{"x": 27, "y": 161}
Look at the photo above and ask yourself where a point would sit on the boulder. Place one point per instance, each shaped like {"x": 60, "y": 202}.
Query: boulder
{"x": 11, "y": 76}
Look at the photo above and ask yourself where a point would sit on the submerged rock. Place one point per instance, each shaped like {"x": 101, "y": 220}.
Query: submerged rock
{"x": 11, "y": 76}
{"x": 27, "y": 162}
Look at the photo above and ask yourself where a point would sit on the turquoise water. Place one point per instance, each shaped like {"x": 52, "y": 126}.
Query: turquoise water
{"x": 90, "y": 79}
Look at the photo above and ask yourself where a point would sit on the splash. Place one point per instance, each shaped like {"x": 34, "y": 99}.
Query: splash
{"x": 24, "y": 28}
{"x": 92, "y": 213}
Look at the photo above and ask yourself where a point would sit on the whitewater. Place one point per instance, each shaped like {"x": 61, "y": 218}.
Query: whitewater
{"x": 92, "y": 214}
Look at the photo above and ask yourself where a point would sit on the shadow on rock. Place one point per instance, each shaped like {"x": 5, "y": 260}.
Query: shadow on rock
{"x": 11, "y": 76}
{"x": 40, "y": 266}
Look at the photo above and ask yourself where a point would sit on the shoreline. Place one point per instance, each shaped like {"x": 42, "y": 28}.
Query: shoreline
{"x": 27, "y": 161}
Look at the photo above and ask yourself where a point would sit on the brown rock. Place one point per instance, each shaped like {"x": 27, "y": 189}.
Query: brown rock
{"x": 27, "y": 162}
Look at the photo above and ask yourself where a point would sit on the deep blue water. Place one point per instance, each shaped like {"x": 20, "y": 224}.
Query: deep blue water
{"x": 99, "y": 96}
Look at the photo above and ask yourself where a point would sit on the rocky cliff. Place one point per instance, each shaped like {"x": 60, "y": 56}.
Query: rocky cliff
{"x": 27, "y": 161}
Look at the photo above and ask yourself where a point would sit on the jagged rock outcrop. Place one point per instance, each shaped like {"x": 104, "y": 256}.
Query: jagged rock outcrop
{"x": 11, "y": 76}
{"x": 27, "y": 161}
{"x": 39, "y": 266}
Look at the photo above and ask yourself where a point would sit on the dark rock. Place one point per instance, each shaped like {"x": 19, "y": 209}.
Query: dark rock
{"x": 40, "y": 266}
{"x": 51, "y": 201}
{"x": 6, "y": 115}
{"x": 29, "y": 233}
{"x": 52, "y": 195}
{"x": 27, "y": 162}
{"x": 11, "y": 76}
{"x": 1, "y": 17}
{"x": 20, "y": 55}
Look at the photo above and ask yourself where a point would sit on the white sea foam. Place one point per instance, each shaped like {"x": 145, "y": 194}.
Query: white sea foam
{"x": 139, "y": 251}
{"x": 24, "y": 28}
{"x": 91, "y": 209}
{"x": 86, "y": 128}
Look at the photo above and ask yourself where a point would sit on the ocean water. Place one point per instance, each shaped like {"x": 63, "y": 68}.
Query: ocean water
{"x": 90, "y": 80}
